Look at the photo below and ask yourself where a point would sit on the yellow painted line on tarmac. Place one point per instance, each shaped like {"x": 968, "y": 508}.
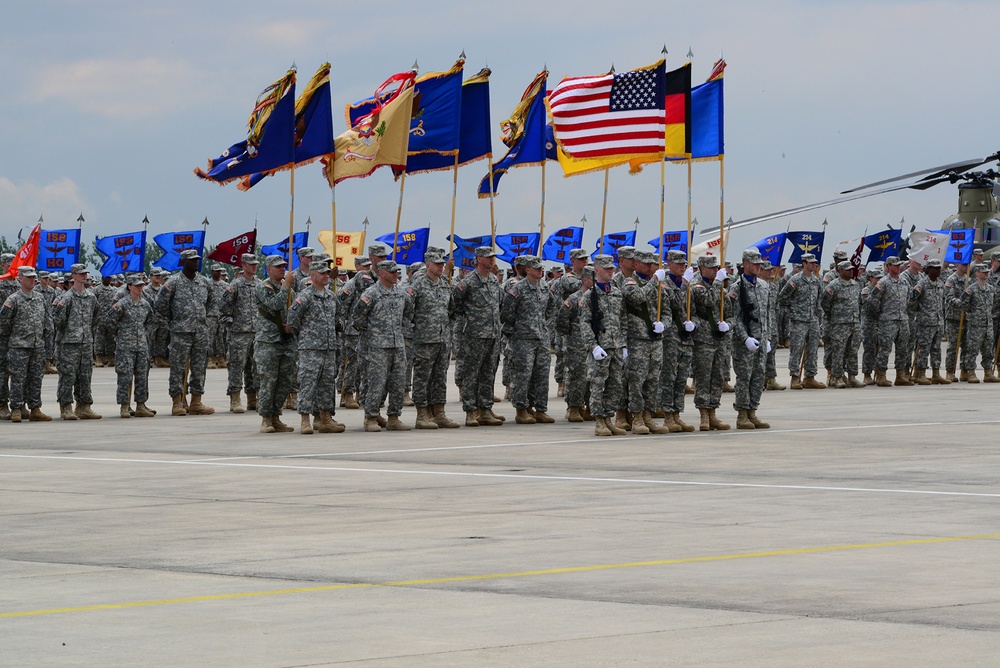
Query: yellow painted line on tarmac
{"x": 497, "y": 576}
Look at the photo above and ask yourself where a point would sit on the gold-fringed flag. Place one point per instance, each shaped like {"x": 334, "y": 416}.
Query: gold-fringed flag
{"x": 349, "y": 246}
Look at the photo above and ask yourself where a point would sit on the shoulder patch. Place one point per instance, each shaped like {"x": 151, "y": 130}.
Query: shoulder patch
{"x": 366, "y": 299}
{"x": 512, "y": 293}
{"x": 460, "y": 286}
{"x": 568, "y": 303}
{"x": 631, "y": 281}
{"x": 411, "y": 292}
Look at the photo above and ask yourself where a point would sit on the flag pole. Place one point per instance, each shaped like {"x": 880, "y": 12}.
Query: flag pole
{"x": 399, "y": 214}
{"x": 493, "y": 220}
{"x": 454, "y": 198}
{"x": 663, "y": 187}
{"x": 604, "y": 207}
{"x": 722, "y": 218}
{"x": 291, "y": 222}
{"x": 541, "y": 222}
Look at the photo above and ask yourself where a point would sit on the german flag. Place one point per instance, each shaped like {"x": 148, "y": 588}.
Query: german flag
{"x": 678, "y": 106}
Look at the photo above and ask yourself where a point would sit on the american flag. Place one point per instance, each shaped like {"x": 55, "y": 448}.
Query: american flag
{"x": 611, "y": 115}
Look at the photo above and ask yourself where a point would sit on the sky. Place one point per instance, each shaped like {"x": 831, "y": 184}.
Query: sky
{"x": 108, "y": 107}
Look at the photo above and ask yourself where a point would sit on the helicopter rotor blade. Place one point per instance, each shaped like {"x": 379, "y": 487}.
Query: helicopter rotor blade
{"x": 932, "y": 173}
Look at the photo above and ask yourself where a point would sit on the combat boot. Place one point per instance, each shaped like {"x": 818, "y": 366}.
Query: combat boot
{"x": 424, "y": 420}
{"x": 937, "y": 379}
{"x": 683, "y": 425}
{"x": 292, "y": 401}
{"x": 178, "y": 406}
{"x": 881, "y": 380}
{"x": 715, "y": 423}
{"x": 471, "y": 418}
{"x": 670, "y": 424}
{"x": 810, "y": 383}
{"x": 381, "y": 420}
{"x": 66, "y": 412}
{"x": 211, "y": 363}
{"x": 36, "y": 415}
{"x": 757, "y": 423}
{"x": 141, "y": 410}
{"x": 541, "y": 417}
{"x": 728, "y": 387}
{"x": 573, "y": 414}
{"x": 109, "y": 361}
{"x": 796, "y": 384}
{"x": 350, "y": 401}
{"x": 327, "y": 425}
{"x": 615, "y": 429}
{"x": 506, "y": 392}
{"x": 963, "y": 376}
{"x": 395, "y": 424}
{"x": 251, "y": 401}
{"x": 639, "y": 427}
{"x": 601, "y": 427}
{"x": 98, "y": 362}
{"x": 841, "y": 383}
{"x": 990, "y": 376}
{"x": 743, "y": 421}
{"x": 487, "y": 418}
{"x": 15, "y": 414}
{"x": 773, "y": 384}
{"x": 266, "y": 427}
{"x": 868, "y": 379}
{"x": 647, "y": 419}
{"x": 4, "y": 411}
{"x": 221, "y": 362}
{"x": 706, "y": 423}
{"x": 852, "y": 381}
{"x": 920, "y": 377}
{"x": 689, "y": 389}
{"x": 436, "y": 413}
{"x": 561, "y": 390}
{"x": 903, "y": 378}
{"x": 523, "y": 417}
{"x": 371, "y": 424}
{"x": 280, "y": 426}
{"x": 234, "y": 403}
{"x": 198, "y": 408}
{"x": 305, "y": 426}
{"x": 125, "y": 412}
{"x": 407, "y": 399}
{"x": 586, "y": 414}
{"x": 84, "y": 413}
{"x": 972, "y": 379}
{"x": 622, "y": 420}
{"x": 50, "y": 368}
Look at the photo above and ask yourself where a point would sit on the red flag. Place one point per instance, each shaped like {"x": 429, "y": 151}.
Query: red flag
{"x": 230, "y": 251}
{"x": 27, "y": 255}
{"x": 856, "y": 258}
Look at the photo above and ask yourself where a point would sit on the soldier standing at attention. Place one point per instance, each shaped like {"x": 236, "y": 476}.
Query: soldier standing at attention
{"x": 561, "y": 288}
{"x": 477, "y": 297}
{"x": 45, "y": 287}
{"x": 979, "y": 301}
{"x": 239, "y": 303}
{"x": 159, "y": 327}
{"x": 313, "y": 319}
{"x": 640, "y": 288}
{"x": 926, "y": 301}
{"x": 767, "y": 272}
{"x": 888, "y": 304}
{"x": 800, "y": 297}
{"x": 24, "y": 322}
{"x": 74, "y": 315}
{"x": 678, "y": 342}
{"x": 841, "y": 302}
{"x": 750, "y": 298}
{"x": 602, "y": 317}
{"x": 185, "y": 301}
{"x": 130, "y": 317}
{"x": 709, "y": 332}
{"x": 274, "y": 345}
{"x": 102, "y": 337}
{"x": 349, "y": 297}
{"x": 569, "y": 324}
{"x": 216, "y": 331}
{"x": 955, "y": 327}
{"x": 379, "y": 314}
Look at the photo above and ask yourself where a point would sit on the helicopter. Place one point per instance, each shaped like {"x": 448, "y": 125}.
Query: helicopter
{"x": 978, "y": 195}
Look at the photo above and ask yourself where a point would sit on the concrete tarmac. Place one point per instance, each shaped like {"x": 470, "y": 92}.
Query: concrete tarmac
{"x": 862, "y": 529}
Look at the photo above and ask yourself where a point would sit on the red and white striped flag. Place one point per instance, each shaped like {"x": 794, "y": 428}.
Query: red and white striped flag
{"x": 621, "y": 115}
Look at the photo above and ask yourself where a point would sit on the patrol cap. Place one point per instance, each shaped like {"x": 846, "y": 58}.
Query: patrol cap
{"x": 603, "y": 261}
{"x": 42, "y": 274}
{"x": 708, "y": 261}
{"x": 578, "y": 254}
{"x": 216, "y": 266}
{"x": 558, "y": 269}
{"x": 306, "y": 251}
{"x": 628, "y": 253}
{"x": 275, "y": 261}
{"x": 79, "y": 268}
{"x": 588, "y": 272}
{"x": 321, "y": 267}
{"x": 893, "y": 261}
{"x": 190, "y": 254}
{"x": 646, "y": 257}
{"x": 485, "y": 251}
{"x": 844, "y": 265}
{"x": 415, "y": 267}
{"x": 751, "y": 255}
{"x": 436, "y": 256}
{"x": 378, "y": 250}
{"x": 7, "y": 257}
{"x": 977, "y": 251}
{"x": 321, "y": 257}
{"x": 136, "y": 279}
{"x": 995, "y": 255}
{"x": 26, "y": 271}
{"x": 360, "y": 260}
{"x": 520, "y": 260}
{"x": 982, "y": 266}
{"x": 839, "y": 255}
{"x": 677, "y": 257}
{"x": 437, "y": 250}
{"x": 808, "y": 257}
{"x": 533, "y": 262}
{"x": 766, "y": 265}
{"x": 387, "y": 265}
{"x": 248, "y": 258}
{"x": 932, "y": 263}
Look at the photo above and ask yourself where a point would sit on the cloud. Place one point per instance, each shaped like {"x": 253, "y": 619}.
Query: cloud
{"x": 59, "y": 201}
{"x": 120, "y": 89}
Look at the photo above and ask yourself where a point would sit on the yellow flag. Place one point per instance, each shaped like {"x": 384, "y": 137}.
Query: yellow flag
{"x": 349, "y": 246}
{"x": 574, "y": 166}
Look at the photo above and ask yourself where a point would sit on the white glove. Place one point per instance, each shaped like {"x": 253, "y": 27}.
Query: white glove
{"x": 689, "y": 274}
{"x": 767, "y": 349}
{"x": 660, "y": 274}
{"x": 688, "y": 326}
{"x": 722, "y": 275}
{"x": 658, "y": 326}
{"x": 624, "y": 353}
{"x": 752, "y": 343}
{"x": 599, "y": 353}
{"x": 723, "y": 326}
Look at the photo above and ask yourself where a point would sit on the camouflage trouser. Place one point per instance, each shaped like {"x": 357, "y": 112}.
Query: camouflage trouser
{"x": 408, "y": 343}
{"x": 506, "y": 359}
{"x": 750, "y": 369}
{"x": 642, "y": 368}
{"x": 158, "y": 335}
{"x": 4, "y": 371}
{"x": 869, "y": 341}
{"x": 276, "y": 364}
{"x": 458, "y": 347}
{"x": 575, "y": 362}
{"x": 605, "y": 383}
{"x": 892, "y": 334}
{"x": 707, "y": 363}
{"x": 27, "y": 367}
{"x": 675, "y": 369}
{"x": 951, "y": 330}
{"x": 803, "y": 337}
{"x": 386, "y": 375}
{"x": 980, "y": 343}
{"x": 430, "y": 373}
{"x": 844, "y": 340}
{"x": 214, "y": 349}
{"x": 530, "y": 376}
{"x": 76, "y": 367}
{"x": 352, "y": 367}
{"x": 132, "y": 368}
{"x": 771, "y": 370}
{"x": 240, "y": 363}
{"x": 317, "y": 381}
{"x": 928, "y": 346}
{"x": 188, "y": 354}
{"x": 104, "y": 341}
{"x": 559, "y": 346}
{"x": 727, "y": 352}
{"x": 479, "y": 371}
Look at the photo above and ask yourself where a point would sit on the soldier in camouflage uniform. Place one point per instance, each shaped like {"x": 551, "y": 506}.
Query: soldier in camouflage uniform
{"x": 751, "y": 315}
{"x": 911, "y": 276}
{"x": 356, "y": 344}
{"x": 274, "y": 345}
{"x": 831, "y": 275}
{"x": 641, "y": 290}
{"x": 560, "y": 289}
{"x": 185, "y": 300}
{"x": 8, "y": 286}
{"x": 979, "y": 302}
{"x": 239, "y": 304}
{"x": 869, "y": 326}
{"x": 379, "y": 314}
{"x": 626, "y": 270}
{"x": 570, "y": 327}
{"x": 800, "y": 296}
{"x": 841, "y": 302}
{"x": 216, "y": 330}
{"x": 888, "y": 304}
{"x": 954, "y": 321}
{"x": 477, "y": 298}
{"x": 313, "y": 319}
{"x": 525, "y": 310}
{"x": 767, "y": 274}
{"x": 73, "y": 315}
{"x": 24, "y": 322}
{"x": 602, "y": 318}
{"x": 678, "y": 342}
{"x": 926, "y": 303}
{"x": 130, "y": 317}
{"x": 159, "y": 327}
{"x": 707, "y": 307}
{"x": 433, "y": 311}
{"x": 102, "y": 337}
{"x": 518, "y": 264}
{"x": 45, "y": 287}
{"x": 783, "y": 320}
